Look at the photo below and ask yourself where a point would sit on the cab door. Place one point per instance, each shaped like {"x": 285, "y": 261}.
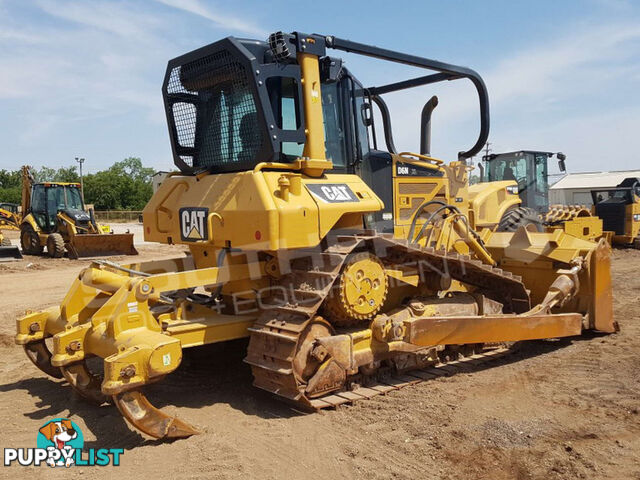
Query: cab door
{"x": 39, "y": 208}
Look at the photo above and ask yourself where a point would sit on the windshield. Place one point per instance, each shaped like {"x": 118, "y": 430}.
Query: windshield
{"x": 612, "y": 196}
{"x": 512, "y": 166}
{"x": 10, "y": 207}
{"x": 63, "y": 197}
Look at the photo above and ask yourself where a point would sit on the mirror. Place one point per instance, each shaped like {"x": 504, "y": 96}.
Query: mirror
{"x": 562, "y": 166}
{"x": 366, "y": 114}
{"x": 561, "y": 158}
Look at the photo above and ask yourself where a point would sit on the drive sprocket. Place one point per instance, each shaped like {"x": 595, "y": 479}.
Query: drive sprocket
{"x": 359, "y": 292}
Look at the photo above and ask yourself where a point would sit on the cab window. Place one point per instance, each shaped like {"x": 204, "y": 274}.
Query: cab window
{"x": 362, "y": 130}
{"x": 334, "y": 101}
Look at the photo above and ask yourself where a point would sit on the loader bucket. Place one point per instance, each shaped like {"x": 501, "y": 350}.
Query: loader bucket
{"x": 93, "y": 245}
{"x": 9, "y": 253}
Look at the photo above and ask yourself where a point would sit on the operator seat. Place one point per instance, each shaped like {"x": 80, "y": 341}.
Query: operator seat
{"x": 249, "y": 136}
{"x": 508, "y": 174}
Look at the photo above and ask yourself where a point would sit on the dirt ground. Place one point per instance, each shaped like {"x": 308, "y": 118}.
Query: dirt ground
{"x": 556, "y": 409}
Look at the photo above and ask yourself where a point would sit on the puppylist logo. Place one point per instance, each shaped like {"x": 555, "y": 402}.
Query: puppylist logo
{"x": 60, "y": 443}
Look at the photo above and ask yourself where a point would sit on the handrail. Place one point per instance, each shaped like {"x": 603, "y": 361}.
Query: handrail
{"x": 426, "y": 158}
{"x": 446, "y": 72}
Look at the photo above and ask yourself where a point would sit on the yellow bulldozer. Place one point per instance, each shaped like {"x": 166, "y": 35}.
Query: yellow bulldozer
{"x": 351, "y": 270}
{"x": 54, "y": 216}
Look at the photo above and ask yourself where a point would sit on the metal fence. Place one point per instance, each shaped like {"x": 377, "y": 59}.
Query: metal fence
{"x": 124, "y": 216}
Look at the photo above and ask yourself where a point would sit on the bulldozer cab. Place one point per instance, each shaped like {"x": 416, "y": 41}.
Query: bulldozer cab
{"x": 529, "y": 169}
{"x": 47, "y": 199}
{"x": 238, "y": 105}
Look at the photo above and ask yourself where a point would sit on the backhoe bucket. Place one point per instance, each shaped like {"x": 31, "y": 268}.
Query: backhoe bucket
{"x": 9, "y": 253}
{"x": 93, "y": 245}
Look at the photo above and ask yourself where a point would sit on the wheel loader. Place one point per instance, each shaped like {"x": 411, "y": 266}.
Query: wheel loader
{"x": 352, "y": 270}
{"x": 54, "y": 217}
{"x": 524, "y": 174}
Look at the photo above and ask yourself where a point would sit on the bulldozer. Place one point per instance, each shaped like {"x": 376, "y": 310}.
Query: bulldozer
{"x": 351, "y": 270}
{"x": 9, "y": 220}
{"x": 619, "y": 209}
{"x": 525, "y": 174}
{"x": 54, "y": 216}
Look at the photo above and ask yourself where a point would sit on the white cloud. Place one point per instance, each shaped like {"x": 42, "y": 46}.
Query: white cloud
{"x": 120, "y": 19}
{"x": 221, "y": 19}
{"x": 99, "y": 67}
{"x": 555, "y": 86}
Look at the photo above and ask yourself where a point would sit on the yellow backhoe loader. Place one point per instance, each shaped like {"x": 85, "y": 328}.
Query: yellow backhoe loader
{"x": 54, "y": 216}
{"x": 352, "y": 270}
{"x": 9, "y": 220}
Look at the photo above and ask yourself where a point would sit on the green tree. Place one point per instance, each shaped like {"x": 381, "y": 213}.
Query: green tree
{"x": 44, "y": 174}
{"x": 126, "y": 185}
{"x": 67, "y": 174}
{"x": 10, "y": 186}
{"x": 9, "y": 179}
{"x": 133, "y": 168}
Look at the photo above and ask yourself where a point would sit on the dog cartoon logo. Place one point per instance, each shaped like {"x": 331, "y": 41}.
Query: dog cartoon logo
{"x": 61, "y": 437}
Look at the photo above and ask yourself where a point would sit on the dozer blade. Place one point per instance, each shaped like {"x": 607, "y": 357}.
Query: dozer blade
{"x": 135, "y": 407}
{"x": 10, "y": 253}
{"x": 93, "y": 245}
{"x": 602, "y": 289}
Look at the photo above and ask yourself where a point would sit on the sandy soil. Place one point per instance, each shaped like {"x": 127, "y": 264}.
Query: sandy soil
{"x": 562, "y": 409}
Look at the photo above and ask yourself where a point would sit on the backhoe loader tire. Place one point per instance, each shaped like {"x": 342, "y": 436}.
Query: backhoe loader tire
{"x": 515, "y": 218}
{"x": 55, "y": 245}
{"x": 30, "y": 241}
{"x": 5, "y": 242}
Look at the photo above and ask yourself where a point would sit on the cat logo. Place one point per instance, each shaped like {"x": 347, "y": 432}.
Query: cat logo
{"x": 193, "y": 224}
{"x": 332, "y": 192}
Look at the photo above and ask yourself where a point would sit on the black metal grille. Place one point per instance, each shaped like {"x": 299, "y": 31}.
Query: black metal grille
{"x": 213, "y": 111}
{"x": 613, "y": 216}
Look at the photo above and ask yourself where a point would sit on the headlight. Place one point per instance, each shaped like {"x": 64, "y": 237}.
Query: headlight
{"x": 512, "y": 189}
{"x": 636, "y": 217}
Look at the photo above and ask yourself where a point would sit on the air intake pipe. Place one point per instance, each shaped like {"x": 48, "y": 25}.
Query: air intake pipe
{"x": 425, "y": 125}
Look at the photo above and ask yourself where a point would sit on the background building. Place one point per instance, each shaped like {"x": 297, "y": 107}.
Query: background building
{"x": 575, "y": 188}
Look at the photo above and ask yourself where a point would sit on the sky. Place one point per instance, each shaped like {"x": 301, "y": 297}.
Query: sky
{"x": 83, "y": 78}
